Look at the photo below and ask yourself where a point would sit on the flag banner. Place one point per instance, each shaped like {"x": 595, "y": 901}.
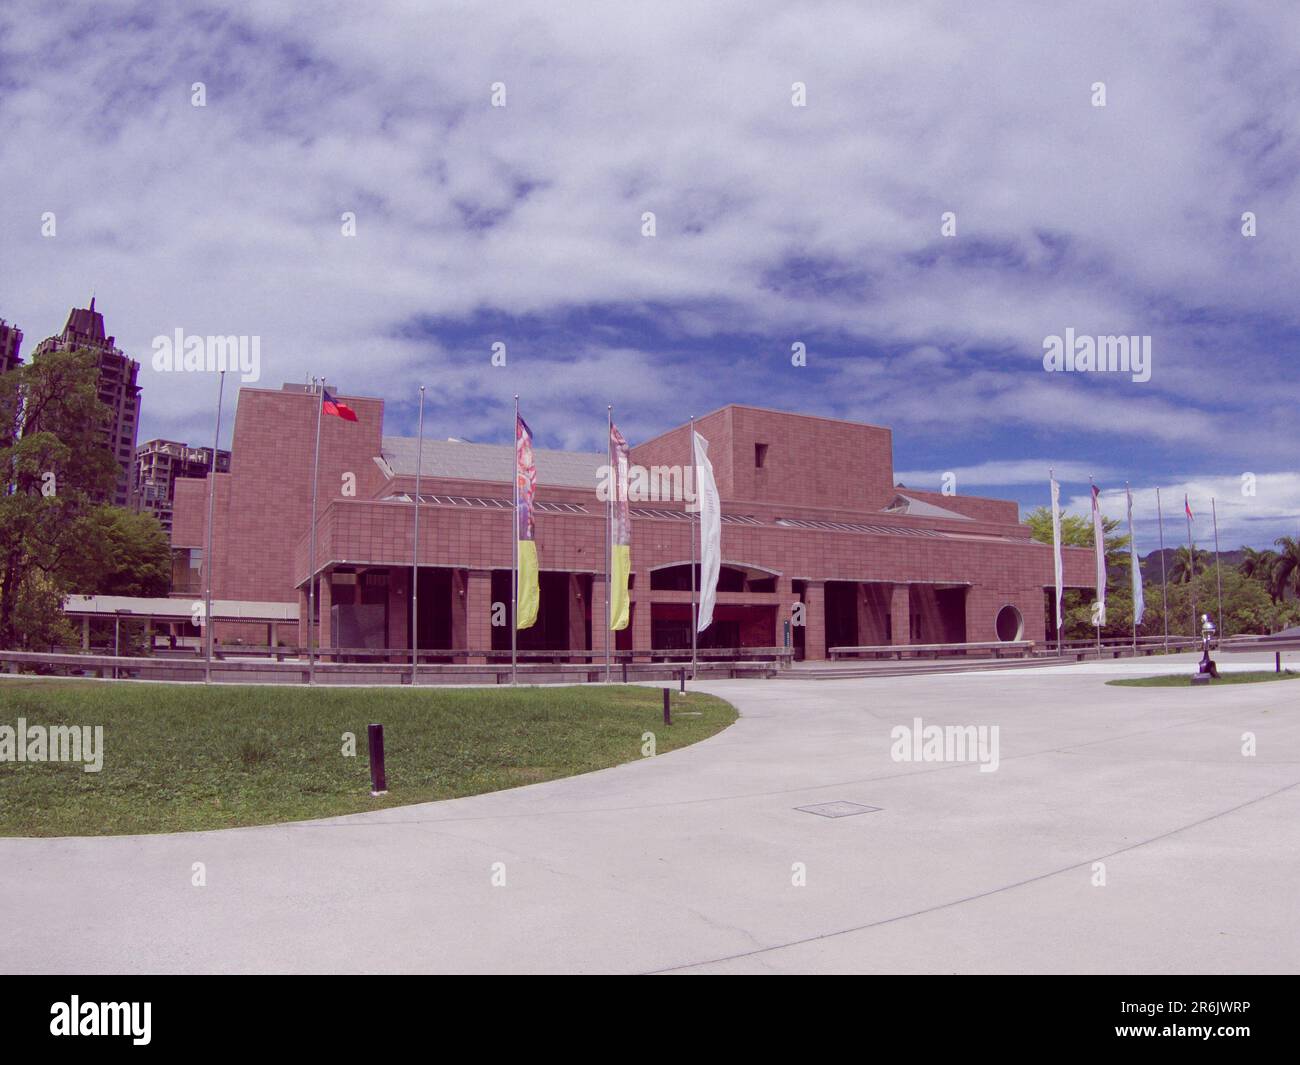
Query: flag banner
{"x": 620, "y": 536}
{"x": 1056, "y": 550}
{"x": 1187, "y": 508}
{"x": 1099, "y": 541}
{"x": 331, "y": 405}
{"x": 1139, "y": 600}
{"x": 528, "y": 598}
{"x": 710, "y": 508}
{"x": 526, "y": 594}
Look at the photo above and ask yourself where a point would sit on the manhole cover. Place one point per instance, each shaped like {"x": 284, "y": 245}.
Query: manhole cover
{"x": 838, "y": 808}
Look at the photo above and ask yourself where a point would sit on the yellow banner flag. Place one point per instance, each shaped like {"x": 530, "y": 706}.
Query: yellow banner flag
{"x": 526, "y": 594}
{"x": 621, "y": 538}
{"x": 619, "y": 600}
{"x": 526, "y": 608}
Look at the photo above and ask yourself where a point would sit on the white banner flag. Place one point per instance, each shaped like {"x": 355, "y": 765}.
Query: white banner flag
{"x": 1099, "y": 541}
{"x": 706, "y": 490}
{"x": 1139, "y": 600}
{"x": 1056, "y": 549}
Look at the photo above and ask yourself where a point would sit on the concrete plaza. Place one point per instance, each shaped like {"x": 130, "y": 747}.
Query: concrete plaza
{"x": 685, "y": 862}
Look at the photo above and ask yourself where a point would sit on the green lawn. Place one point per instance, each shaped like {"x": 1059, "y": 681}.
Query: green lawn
{"x": 182, "y": 757}
{"x": 1183, "y": 680}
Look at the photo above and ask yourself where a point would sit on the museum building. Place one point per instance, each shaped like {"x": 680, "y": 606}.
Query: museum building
{"x": 810, "y": 515}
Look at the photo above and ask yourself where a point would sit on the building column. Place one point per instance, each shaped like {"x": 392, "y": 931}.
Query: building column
{"x": 900, "y": 614}
{"x": 324, "y": 600}
{"x": 599, "y": 619}
{"x": 641, "y": 617}
{"x": 873, "y": 609}
{"x": 399, "y": 614}
{"x": 1032, "y": 608}
{"x": 478, "y": 613}
{"x": 85, "y": 633}
{"x": 785, "y": 610}
{"x": 814, "y": 640}
{"x": 577, "y": 640}
{"x": 302, "y": 617}
{"x": 459, "y": 616}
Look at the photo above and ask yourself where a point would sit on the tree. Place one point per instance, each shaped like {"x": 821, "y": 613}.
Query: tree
{"x": 1076, "y": 605}
{"x": 1247, "y": 607}
{"x": 1076, "y": 531}
{"x": 1260, "y": 566}
{"x": 1256, "y": 563}
{"x": 52, "y": 468}
{"x": 1287, "y": 566}
{"x": 123, "y": 553}
{"x": 1183, "y": 567}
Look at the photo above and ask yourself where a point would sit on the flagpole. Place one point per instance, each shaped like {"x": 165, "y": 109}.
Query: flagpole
{"x": 514, "y": 563}
{"x": 1057, "y": 589}
{"x": 207, "y": 550}
{"x": 609, "y": 526}
{"x": 1191, "y": 558}
{"x": 1164, "y": 583}
{"x": 415, "y": 550}
{"x": 311, "y": 566}
{"x": 695, "y": 488}
{"x": 1218, "y": 573}
{"x": 1097, "y": 533}
{"x": 1132, "y": 554}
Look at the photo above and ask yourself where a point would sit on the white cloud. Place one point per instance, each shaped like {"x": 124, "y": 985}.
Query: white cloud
{"x": 225, "y": 219}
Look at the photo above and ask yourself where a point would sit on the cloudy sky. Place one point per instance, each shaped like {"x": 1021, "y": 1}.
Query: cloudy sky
{"x": 775, "y": 224}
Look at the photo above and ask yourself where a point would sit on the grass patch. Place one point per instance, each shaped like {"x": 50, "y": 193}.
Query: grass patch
{"x": 184, "y": 757}
{"x": 1183, "y": 680}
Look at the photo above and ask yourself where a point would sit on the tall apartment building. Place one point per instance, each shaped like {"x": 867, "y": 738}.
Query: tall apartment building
{"x": 159, "y": 463}
{"x": 11, "y": 339}
{"x": 118, "y": 389}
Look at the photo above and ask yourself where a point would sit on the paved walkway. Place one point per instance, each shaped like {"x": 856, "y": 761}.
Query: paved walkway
{"x": 684, "y": 862}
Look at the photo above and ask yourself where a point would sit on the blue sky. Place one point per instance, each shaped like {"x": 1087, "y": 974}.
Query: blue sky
{"x": 775, "y": 224}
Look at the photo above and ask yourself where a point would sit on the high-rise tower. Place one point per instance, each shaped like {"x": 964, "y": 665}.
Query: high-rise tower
{"x": 118, "y": 389}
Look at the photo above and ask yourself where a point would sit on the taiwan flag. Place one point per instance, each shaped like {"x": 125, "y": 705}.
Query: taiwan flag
{"x": 330, "y": 405}
{"x": 1187, "y": 508}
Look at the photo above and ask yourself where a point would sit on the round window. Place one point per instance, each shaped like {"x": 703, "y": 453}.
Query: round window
{"x": 1010, "y": 624}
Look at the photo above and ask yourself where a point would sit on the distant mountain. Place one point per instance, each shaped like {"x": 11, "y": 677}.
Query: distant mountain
{"x": 1150, "y": 565}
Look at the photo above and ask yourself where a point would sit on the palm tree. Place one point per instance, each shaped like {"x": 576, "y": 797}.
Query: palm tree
{"x": 1287, "y": 566}
{"x": 1259, "y": 565}
{"x": 1183, "y": 568}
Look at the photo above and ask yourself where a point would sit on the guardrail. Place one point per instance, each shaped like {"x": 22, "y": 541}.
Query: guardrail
{"x": 993, "y": 648}
{"x": 1118, "y": 646}
{"x": 194, "y": 667}
{"x": 435, "y": 655}
{"x": 1248, "y": 644}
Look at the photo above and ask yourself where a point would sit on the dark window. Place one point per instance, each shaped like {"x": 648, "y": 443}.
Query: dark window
{"x": 760, "y": 455}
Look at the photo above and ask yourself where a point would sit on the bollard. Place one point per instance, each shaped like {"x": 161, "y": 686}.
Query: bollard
{"x": 681, "y": 674}
{"x": 668, "y": 706}
{"x": 378, "y": 778}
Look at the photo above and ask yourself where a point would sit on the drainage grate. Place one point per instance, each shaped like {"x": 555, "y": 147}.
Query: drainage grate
{"x": 839, "y": 808}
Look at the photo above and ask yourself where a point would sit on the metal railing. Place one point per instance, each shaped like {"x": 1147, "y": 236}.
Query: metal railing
{"x": 1119, "y": 646}
{"x": 388, "y": 665}
{"x": 988, "y": 648}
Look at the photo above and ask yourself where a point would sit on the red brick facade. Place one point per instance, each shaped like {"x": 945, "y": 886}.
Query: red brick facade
{"x": 811, "y": 517}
